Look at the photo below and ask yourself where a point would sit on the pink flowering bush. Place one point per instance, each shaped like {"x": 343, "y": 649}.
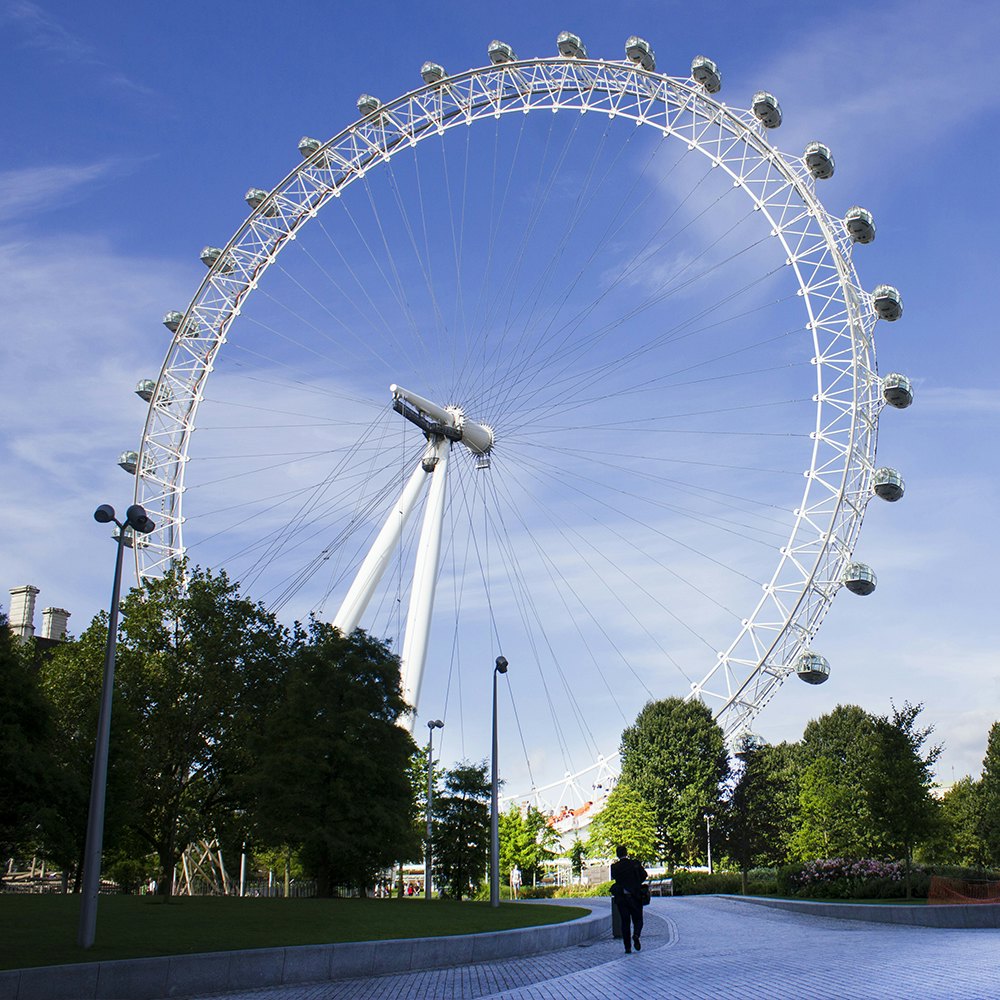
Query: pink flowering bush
{"x": 842, "y": 878}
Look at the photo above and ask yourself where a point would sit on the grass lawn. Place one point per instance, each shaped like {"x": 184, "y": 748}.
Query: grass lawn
{"x": 41, "y": 930}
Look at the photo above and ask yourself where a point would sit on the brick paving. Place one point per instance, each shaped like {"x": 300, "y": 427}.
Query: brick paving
{"x": 703, "y": 948}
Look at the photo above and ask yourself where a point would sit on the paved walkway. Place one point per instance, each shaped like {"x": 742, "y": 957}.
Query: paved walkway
{"x": 703, "y": 947}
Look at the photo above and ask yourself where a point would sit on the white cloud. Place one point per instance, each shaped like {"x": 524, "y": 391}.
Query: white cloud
{"x": 37, "y": 29}
{"x": 960, "y": 401}
{"x": 25, "y": 192}
{"x": 40, "y": 30}
{"x": 893, "y": 78}
{"x": 81, "y": 328}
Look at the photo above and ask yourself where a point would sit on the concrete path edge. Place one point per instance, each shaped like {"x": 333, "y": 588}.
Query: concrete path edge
{"x": 185, "y": 975}
{"x": 965, "y": 915}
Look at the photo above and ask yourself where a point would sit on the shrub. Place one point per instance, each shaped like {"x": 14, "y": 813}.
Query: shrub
{"x": 844, "y": 878}
{"x": 574, "y": 891}
{"x": 699, "y": 883}
{"x": 537, "y": 892}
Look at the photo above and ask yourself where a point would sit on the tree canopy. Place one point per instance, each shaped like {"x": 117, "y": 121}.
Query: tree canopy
{"x": 674, "y": 757}
{"x": 988, "y": 827}
{"x": 332, "y": 771}
{"x": 626, "y": 820}
{"x": 462, "y": 829}
{"x": 760, "y": 814}
{"x": 526, "y": 840}
{"x": 26, "y": 729}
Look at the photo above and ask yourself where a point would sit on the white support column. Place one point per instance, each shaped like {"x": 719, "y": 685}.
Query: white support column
{"x": 380, "y": 553}
{"x": 425, "y": 572}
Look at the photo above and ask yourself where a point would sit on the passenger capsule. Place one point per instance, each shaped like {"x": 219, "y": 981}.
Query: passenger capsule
{"x": 145, "y": 389}
{"x": 640, "y": 52}
{"x": 209, "y": 255}
{"x": 308, "y": 146}
{"x": 897, "y": 390}
{"x": 812, "y": 668}
{"x": 212, "y": 257}
{"x": 860, "y": 579}
{"x": 500, "y": 52}
{"x": 256, "y": 197}
{"x": 888, "y": 484}
{"x": 432, "y": 72}
{"x": 819, "y": 161}
{"x": 129, "y": 461}
{"x": 571, "y": 46}
{"x": 888, "y": 302}
{"x": 860, "y": 224}
{"x": 172, "y": 320}
{"x": 129, "y": 539}
{"x": 766, "y": 109}
{"x": 706, "y": 72}
{"x": 368, "y": 105}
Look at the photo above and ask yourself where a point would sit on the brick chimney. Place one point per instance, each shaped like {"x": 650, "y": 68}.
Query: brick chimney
{"x": 22, "y": 611}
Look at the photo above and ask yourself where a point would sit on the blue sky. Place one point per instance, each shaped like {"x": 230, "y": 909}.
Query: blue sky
{"x": 131, "y": 133}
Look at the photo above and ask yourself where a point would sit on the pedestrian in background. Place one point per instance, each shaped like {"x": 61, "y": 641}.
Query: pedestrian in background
{"x": 515, "y": 882}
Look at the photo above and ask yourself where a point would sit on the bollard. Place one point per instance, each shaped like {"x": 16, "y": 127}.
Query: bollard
{"x": 616, "y": 921}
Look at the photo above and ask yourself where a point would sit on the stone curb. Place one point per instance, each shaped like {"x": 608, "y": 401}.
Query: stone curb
{"x": 224, "y": 971}
{"x": 964, "y": 915}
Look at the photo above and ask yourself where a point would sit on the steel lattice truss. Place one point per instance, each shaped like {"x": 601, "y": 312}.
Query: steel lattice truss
{"x": 839, "y": 314}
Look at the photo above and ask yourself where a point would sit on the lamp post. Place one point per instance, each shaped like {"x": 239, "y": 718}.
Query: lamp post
{"x": 431, "y": 726}
{"x": 500, "y": 668}
{"x": 708, "y": 832}
{"x": 136, "y": 519}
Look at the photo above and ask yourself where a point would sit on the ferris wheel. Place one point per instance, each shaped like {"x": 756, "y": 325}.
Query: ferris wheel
{"x": 601, "y": 330}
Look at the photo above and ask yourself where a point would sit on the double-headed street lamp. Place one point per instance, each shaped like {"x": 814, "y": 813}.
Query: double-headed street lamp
{"x": 431, "y": 726}
{"x": 136, "y": 519}
{"x": 500, "y": 668}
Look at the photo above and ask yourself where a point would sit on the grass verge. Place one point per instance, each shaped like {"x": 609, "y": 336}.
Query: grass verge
{"x": 41, "y": 930}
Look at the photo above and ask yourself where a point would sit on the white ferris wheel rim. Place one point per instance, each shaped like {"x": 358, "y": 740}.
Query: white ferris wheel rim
{"x": 839, "y": 314}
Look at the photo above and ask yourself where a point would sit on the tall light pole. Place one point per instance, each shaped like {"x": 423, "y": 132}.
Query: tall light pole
{"x": 136, "y": 519}
{"x": 431, "y": 726}
{"x": 500, "y": 668}
{"x": 708, "y": 833}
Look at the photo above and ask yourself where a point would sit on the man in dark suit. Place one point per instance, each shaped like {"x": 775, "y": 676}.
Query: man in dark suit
{"x": 626, "y": 892}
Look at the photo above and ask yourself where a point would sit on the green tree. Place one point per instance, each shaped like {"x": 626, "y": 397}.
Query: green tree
{"x": 626, "y": 820}
{"x": 576, "y": 853}
{"x": 835, "y": 818}
{"x": 674, "y": 756}
{"x": 26, "y": 732}
{"x": 898, "y": 785}
{"x": 200, "y": 670}
{"x": 989, "y": 797}
{"x": 333, "y": 765}
{"x": 759, "y": 816}
{"x": 828, "y": 824}
{"x": 956, "y": 840}
{"x": 71, "y": 677}
{"x": 462, "y": 829}
{"x": 526, "y": 840}
{"x": 196, "y": 670}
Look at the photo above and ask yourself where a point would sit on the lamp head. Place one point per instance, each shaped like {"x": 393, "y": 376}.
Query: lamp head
{"x": 104, "y": 514}
{"x": 435, "y": 724}
{"x": 502, "y": 664}
{"x": 136, "y": 517}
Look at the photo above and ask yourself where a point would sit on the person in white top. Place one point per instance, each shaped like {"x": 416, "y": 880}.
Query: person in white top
{"x": 515, "y": 882}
